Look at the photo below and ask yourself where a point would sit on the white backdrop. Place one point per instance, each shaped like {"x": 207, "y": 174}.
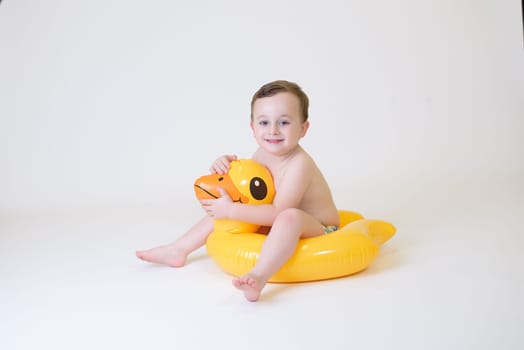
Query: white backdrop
{"x": 113, "y": 103}
{"x": 110, "y": 109}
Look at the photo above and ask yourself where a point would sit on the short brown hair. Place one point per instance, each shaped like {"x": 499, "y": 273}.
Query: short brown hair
{"x": 277, "y": 86}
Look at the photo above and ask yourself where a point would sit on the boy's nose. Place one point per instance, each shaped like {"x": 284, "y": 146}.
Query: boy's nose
{"x": 274, "y": 129}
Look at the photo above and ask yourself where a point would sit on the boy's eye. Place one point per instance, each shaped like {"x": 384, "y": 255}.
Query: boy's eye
{"x": 284, "y": 122}
{"x": 262, "y": 122}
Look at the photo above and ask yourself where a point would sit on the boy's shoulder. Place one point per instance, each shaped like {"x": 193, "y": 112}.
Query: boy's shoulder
{"x": 302, "y": 161}
{"x": 302, "y": 156}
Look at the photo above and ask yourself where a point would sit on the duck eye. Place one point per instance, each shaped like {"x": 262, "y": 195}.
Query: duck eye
{"x": 258, "y": 188}
{"x": 220, "y": 178}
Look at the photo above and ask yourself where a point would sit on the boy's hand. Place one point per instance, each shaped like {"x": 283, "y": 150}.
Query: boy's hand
{"x": 221, "y": 165}
{"x": 218, "y": 208}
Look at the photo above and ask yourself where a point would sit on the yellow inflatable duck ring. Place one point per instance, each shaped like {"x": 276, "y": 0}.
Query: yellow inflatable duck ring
{"x": 234, "y": 246}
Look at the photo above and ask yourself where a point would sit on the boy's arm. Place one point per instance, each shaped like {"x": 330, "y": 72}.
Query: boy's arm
{"x": 263, "y": 214}
{"x": 291, "y": 189}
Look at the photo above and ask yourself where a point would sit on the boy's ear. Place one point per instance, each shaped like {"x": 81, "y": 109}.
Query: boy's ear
{"x": 305, "y": 127}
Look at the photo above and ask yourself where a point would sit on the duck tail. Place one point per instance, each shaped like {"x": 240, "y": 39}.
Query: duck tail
{"x": 377, "y": 230}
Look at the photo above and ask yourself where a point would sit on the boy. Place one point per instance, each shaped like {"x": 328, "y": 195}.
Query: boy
{"x": 303, "y": 205}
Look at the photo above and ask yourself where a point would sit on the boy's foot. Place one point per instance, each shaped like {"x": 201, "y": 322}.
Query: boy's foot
{"x": 166, "y": 255}
{"x": 250, "y": 285}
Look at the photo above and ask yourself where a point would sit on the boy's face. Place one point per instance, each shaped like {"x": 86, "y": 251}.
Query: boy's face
{"x": 277, "y": 123}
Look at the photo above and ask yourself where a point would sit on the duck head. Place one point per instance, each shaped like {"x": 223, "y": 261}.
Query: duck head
{"x": 246, "y": 182}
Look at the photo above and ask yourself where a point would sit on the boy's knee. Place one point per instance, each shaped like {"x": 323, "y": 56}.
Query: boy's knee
{"x": 289, "y": 216}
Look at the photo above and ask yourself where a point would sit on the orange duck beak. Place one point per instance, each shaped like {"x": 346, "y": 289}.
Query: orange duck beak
{"x": 206, "y": 187}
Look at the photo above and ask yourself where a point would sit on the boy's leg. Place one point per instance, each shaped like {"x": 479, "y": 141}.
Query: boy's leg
{"x": 279, "y": 246}
{"x": 175, "y": 254}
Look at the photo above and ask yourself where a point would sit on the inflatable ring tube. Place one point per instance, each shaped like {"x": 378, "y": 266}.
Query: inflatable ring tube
{"x": 344, "y": 252}
{"x": 235, "y": 245}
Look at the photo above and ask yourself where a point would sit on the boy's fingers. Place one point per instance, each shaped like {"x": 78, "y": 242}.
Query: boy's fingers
{"x": 222, "y": 192}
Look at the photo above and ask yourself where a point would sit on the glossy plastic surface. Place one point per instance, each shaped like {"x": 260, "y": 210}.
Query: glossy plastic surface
{"x": 235, "y": 246}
